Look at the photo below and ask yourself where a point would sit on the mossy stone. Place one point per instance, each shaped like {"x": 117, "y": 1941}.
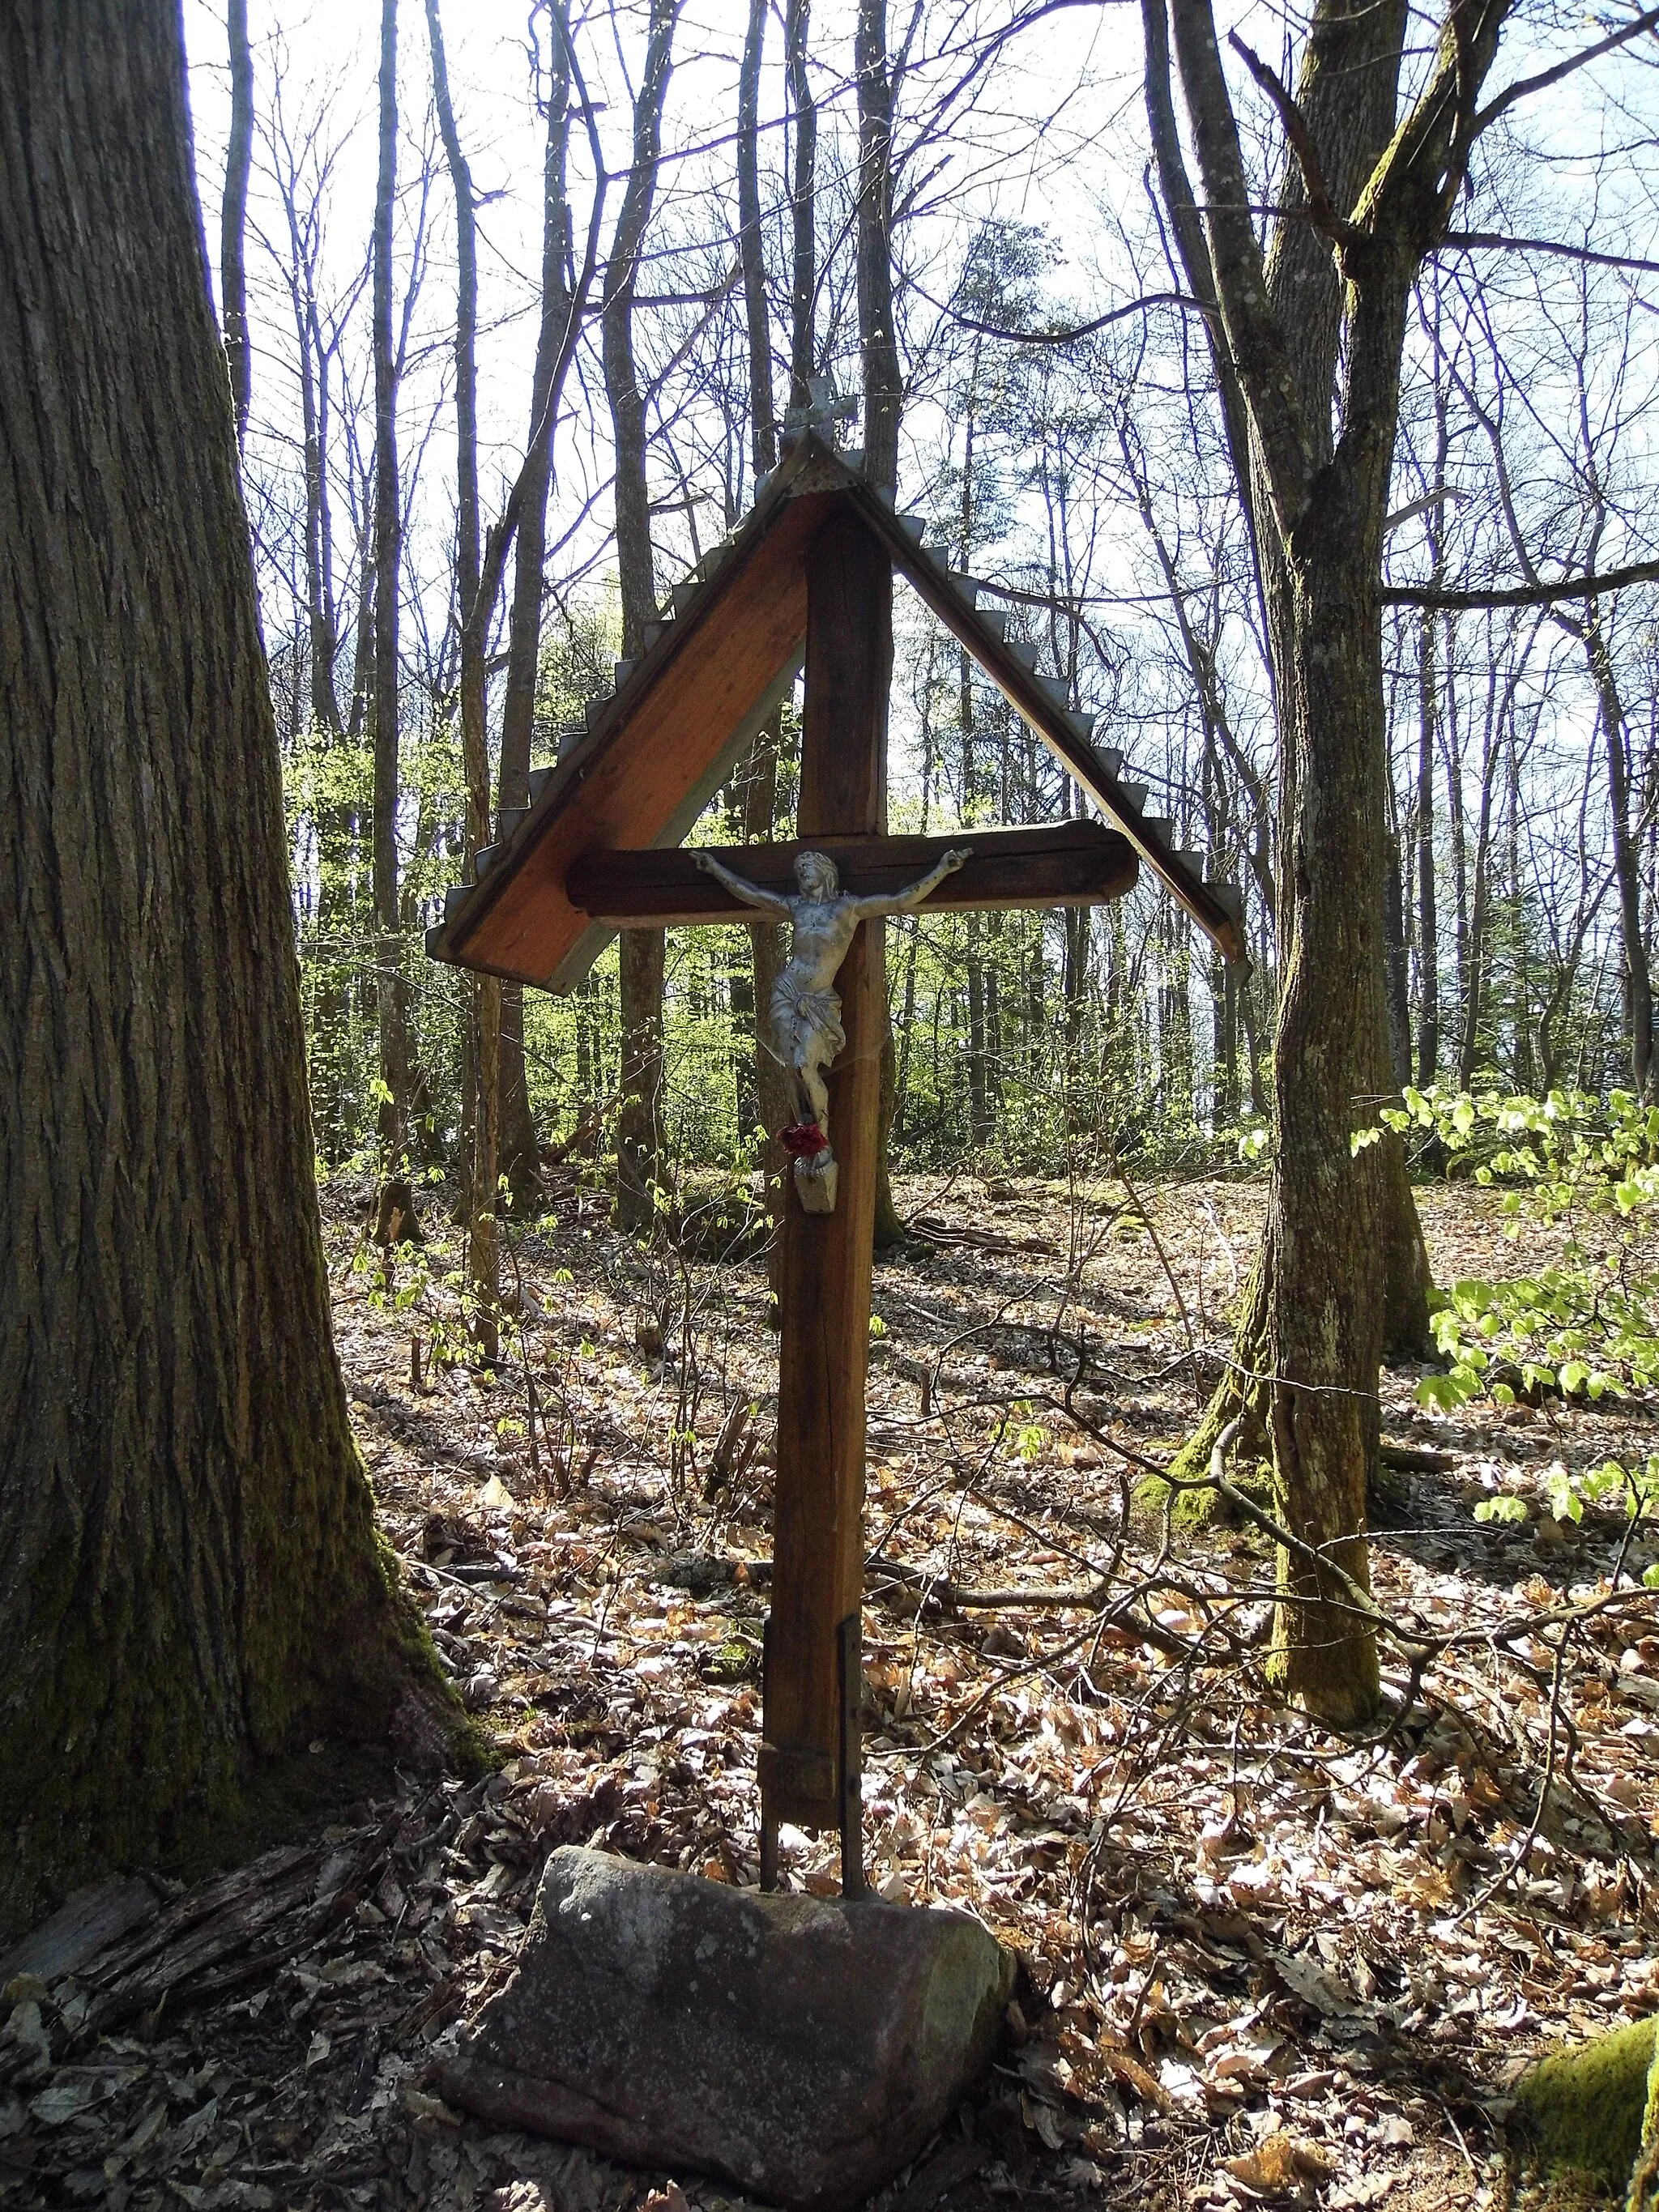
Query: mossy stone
{"x": 1583, "y": 2109}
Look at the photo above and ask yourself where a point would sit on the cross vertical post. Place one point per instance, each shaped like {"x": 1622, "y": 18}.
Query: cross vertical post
{"x": 809, "y": 1763}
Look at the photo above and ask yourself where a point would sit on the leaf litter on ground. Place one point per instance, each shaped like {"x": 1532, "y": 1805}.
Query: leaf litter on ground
{"x": 1261, "y": 1963}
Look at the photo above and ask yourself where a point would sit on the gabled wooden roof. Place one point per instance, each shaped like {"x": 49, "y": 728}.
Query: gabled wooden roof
{"x": 654, "y": 753}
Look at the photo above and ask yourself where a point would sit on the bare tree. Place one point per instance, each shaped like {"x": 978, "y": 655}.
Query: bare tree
{"x": 480, "y": 572}
{"x": 1310, "y": 339}
{"x": 520, "y": 1159}
{"x": 392, "y": 984}
{"x": 803, "y": 201}
{"x": 232, "y": 217}
{"x": 639, "y": 1138}
{"x": 758, "y": 780}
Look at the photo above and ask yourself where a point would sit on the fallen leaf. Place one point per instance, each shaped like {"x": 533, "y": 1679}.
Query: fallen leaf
{"x": 63, "y": 2101}
{"x": 1281, "y": 2165}
{"x": 1133, "y": 2075}
{"x": 1315, "y": 1986}
{"x": 1042, "y": 2120}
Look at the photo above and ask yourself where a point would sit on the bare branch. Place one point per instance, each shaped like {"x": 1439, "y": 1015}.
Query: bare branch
{"x": 1475, "y": 242}
{"x": 1143, "y": 304}
{"x": 1526, "y": 86}
{"x": 1257, "y": 345}
{"x": 1320, "y": 208}
{"x": 1522, "y": 595}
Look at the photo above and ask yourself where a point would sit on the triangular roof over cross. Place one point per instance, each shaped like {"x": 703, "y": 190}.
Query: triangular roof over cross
{"x": 654, "y": 753}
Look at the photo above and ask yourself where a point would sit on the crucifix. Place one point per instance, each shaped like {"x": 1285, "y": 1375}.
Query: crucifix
{"x": 807, "y": 577}
{"x": 806, "y": 1009}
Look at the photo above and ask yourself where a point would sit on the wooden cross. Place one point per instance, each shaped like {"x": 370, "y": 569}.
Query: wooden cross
{"x": 808, "y": 576}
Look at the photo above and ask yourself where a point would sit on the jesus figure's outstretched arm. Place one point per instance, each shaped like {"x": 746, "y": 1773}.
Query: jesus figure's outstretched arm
{"x": 905, "y": 901}
{"x": 740, "y": 888}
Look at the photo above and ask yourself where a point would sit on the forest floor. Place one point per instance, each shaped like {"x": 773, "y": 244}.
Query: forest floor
{"x": 1264, "y": 1963}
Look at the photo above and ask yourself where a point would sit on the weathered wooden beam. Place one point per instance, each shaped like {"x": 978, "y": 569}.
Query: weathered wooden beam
{"x": 806, "y": 1771}
{"x": 1054, "y": 864}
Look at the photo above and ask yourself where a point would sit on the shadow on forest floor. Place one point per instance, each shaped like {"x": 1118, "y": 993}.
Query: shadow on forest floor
{"x": 1236, "y": 1926}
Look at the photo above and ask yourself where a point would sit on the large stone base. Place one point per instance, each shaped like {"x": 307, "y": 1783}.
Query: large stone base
{"x": 803, "y": 2048}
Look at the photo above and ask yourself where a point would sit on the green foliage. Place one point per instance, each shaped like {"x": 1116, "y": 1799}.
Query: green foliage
{"x": 1610, "y": 1488}
{"x": 1588, "y": 1324}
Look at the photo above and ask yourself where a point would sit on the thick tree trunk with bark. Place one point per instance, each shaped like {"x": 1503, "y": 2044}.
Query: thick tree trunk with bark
{"x": 1309, "y": 342}
{"x": 1324, "y": 1334}
{"x": 190, "y": 1579}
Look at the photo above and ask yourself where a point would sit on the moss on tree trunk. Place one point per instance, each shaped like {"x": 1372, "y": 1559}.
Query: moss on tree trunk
{"x": 190, "y": 1582}
{"x": 1590, "y": 2115}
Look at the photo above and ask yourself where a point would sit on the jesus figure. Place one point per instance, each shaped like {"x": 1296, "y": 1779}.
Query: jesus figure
{"x": 806, "y": 1009}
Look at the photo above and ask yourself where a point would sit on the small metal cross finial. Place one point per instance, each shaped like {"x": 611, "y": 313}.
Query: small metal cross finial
{"x": 823, "y": 411}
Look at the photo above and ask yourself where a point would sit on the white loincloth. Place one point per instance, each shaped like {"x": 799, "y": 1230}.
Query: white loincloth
{"x": 796, "y": 1008}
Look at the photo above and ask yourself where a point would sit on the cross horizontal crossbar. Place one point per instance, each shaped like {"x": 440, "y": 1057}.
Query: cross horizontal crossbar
{"x": 1056, "y": 863}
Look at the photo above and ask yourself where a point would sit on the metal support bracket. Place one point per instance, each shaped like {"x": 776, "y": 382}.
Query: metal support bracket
{"x": 778, "y": 1765}
{"x": 849, "y": 1637}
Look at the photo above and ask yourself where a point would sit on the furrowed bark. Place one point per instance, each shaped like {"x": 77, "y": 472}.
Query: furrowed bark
{"x": 189, "y": 1578}
{"x": 1342, "y": 1269}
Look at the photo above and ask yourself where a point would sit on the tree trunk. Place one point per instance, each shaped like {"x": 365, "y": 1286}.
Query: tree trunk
{"x": 1399, "y": 1009}
{"x": 190, "y": 1581}
{"x": 484, "y": 1227}
{"x": 392, "y": 984}
{"x": 1428, "y": 928}
{"x": 759, "y": 780}
{"x": 1477, "y": 942}
{"x": 639, "y": 1138}
{"x": 520, "y": 1160}
{"x": 639, "y": 1134}
{"x": 232, "y": 217}
{"x": 1325, "y": 1322}
{"x": 757, "y": 320}
{"x": 883, "y": 393}
{"x": 890, "y": 1223}
{"x": 1627, "y": 858}
{"x": 1315, "y": 350}
{"x": 802, "y": 202}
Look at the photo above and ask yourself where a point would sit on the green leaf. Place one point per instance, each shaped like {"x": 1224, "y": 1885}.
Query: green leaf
{"x": 1505, "y": 1508}
{"x": 1444, "y": 1391}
